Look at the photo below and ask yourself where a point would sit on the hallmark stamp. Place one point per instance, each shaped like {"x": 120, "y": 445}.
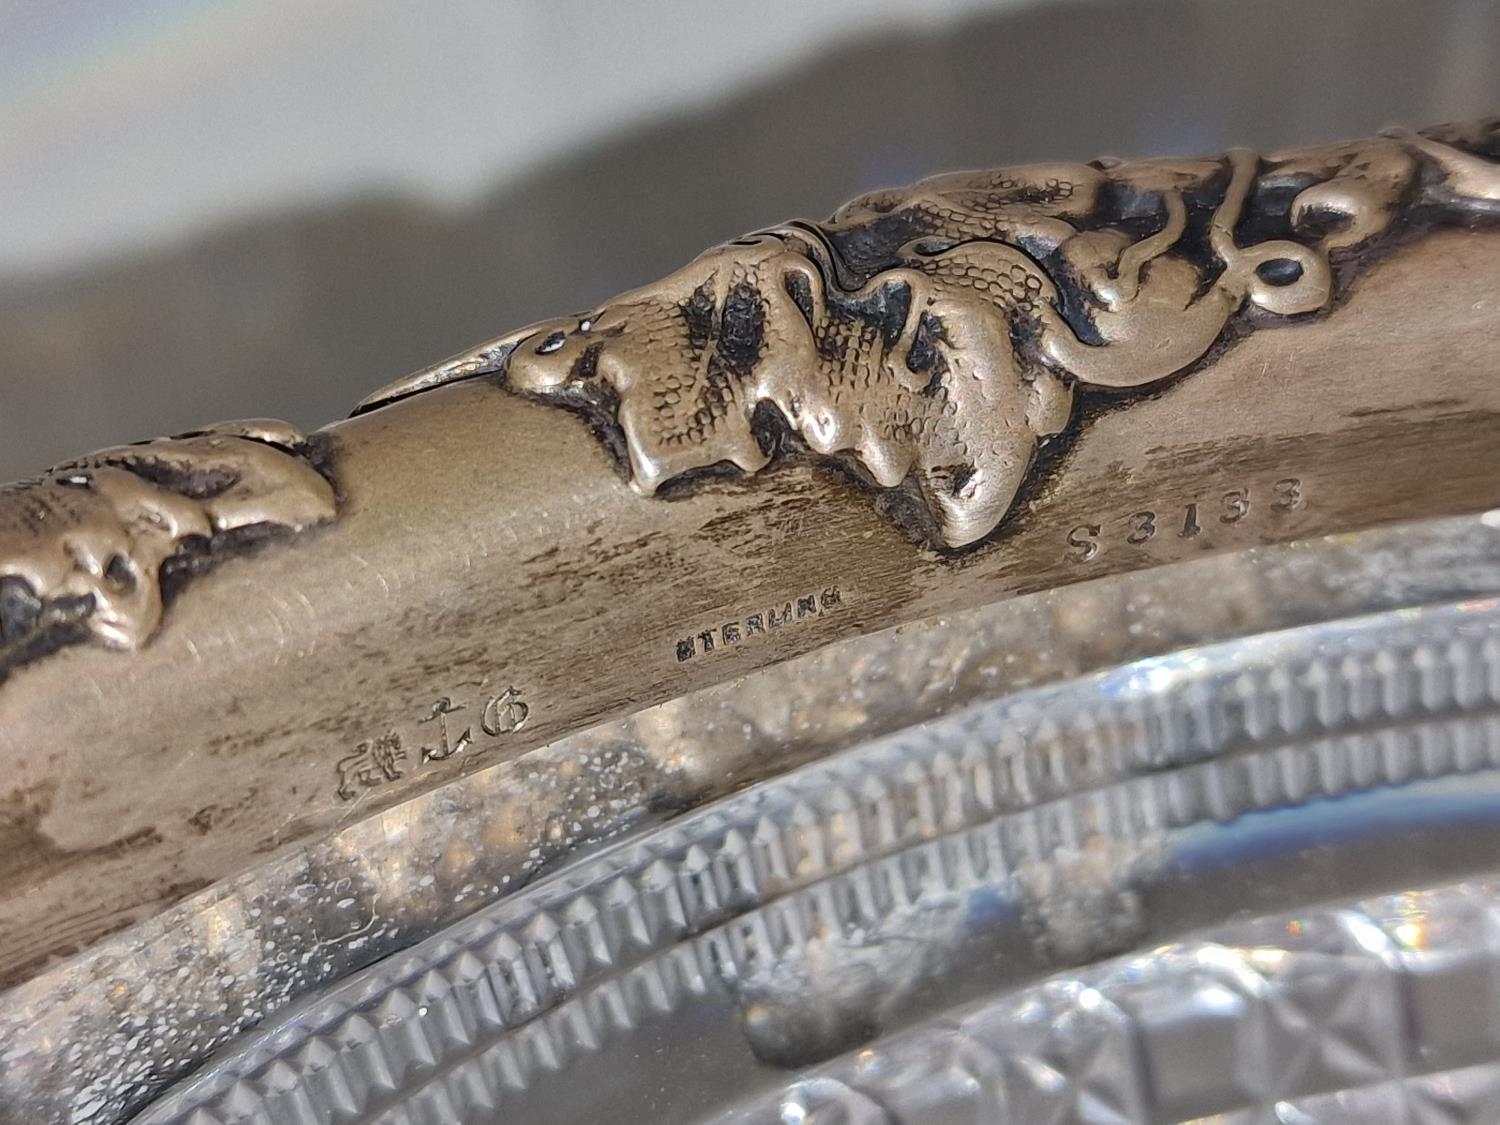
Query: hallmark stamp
{"x": 730, "y": 633}
{"x": 504, "y": 713}
{"x": 453, "y": 727}
{"x": 447, "y": 744}
{"x": 373, "y": 763}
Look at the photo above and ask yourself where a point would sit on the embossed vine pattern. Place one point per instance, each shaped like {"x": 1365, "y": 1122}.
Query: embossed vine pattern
{"x": 89, "y": 550}
{"x": 939, "y": 333}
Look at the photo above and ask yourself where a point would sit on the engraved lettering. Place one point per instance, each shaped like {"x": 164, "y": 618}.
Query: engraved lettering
{"x": 1142, "y": 527}
{"x": 804, "y": 607}
{"x": 377, "y": 761}
{"x": 504, "y": 713}
{"x": 1190, "y": 528}
{"x": 1236, "y": 504}
{"x": 1086, "y": 541}
{"x": 1083, "y": 542}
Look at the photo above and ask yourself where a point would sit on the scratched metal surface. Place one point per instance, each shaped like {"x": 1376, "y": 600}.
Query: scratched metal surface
{"x": 93, "y": 1038}
{"x": 832, "y": 912}
{"x": 329, "y": 658}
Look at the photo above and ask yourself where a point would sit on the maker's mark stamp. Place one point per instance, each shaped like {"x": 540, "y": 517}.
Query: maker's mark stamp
{"x": 451, "y": 727}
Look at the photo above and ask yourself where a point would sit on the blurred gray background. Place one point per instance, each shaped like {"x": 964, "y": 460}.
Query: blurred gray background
{"x": 221, "y": 208}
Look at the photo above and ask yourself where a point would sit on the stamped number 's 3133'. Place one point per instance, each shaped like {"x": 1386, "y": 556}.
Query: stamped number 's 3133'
{"x": 1233, "y": 506}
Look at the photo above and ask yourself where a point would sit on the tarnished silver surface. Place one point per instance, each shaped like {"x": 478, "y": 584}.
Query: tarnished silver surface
{"x": 674, "y": 975}
{"x": 94, "y": 1037}
{"x": 251, "y": 675}
{"x": 1261, "y": 349}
